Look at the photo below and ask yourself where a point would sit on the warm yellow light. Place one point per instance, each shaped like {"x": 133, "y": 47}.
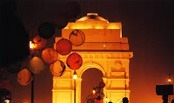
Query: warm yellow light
{"x": 93, "y": 91}
{"x": 169, "y": 80}
{"x": 7, "y": 101}
{"x": 32, "y": 45}
{"x": 74, "y": 75}
{"x": 106, "y": 99}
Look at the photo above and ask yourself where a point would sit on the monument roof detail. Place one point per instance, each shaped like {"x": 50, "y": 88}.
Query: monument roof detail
{"x": 92, "y": 17}
{"x": 93, "y": 21}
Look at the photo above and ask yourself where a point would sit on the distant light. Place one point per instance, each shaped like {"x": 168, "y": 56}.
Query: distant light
{"x": 5, "y": 96}
{"x": 93, "y": 91}
{"x": 169, "y": 80}
{"x": 74, "y": 75}
{"x": 104, "y": 45}
{"x": 6, "y": 101}
{"x": 32, "y": 45}
{"x": 107, "y": 99}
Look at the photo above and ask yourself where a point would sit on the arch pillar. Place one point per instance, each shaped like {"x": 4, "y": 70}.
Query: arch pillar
{"x": 78, "y": 90}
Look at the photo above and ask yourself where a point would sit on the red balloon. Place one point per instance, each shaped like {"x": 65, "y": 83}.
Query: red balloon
{"x": 24, "y": 77}
{"x": 74, "y": 61}
{"x": 63, "y": 46}
{"x": 49, "y": 55}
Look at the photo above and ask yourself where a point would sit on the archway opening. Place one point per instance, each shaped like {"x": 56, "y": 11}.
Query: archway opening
{"x": 90, "y": 78}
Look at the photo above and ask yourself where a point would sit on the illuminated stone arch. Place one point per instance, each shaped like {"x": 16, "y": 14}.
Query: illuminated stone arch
{"x": 80, "y": 72}
{"x": 105, "y": 49}
{"x": 91, "y": 65}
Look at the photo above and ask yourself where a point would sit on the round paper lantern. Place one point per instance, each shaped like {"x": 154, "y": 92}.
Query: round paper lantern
{"x": 36, "y": 64}
{"x": 77, "y": 37}
{"x": 46, "y": 30}
{"x": 74, "y": 61}
{"x": 39, "y": 42}
{"x": 63, "y": 46}
{"x": 57, "y": 68}
{"x": 24, "y": 77}
{"x": 49, "y": 55}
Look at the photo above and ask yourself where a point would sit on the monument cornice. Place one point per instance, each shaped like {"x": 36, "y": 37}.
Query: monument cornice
{"x": 102, "y": 55}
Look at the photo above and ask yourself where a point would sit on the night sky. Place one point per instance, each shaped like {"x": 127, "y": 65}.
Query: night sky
{"x": 148, "y": 24}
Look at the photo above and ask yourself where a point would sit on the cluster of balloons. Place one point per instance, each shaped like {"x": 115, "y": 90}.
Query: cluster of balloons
{"x": 46, "y": 30}
{"x": 13, "y": 61}
{"x": 50, "y": 56}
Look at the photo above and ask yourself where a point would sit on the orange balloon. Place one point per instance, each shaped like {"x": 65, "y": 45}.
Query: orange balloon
{"x": 24, "y": 77}
{"x": 63, "y": 46}
{"x": 74, "y": 61}
{"x": 39, "y": 42}
{"x": 49, "y": 55}
{"x": 77, "y": 37}
{"x": 57, "y": 68}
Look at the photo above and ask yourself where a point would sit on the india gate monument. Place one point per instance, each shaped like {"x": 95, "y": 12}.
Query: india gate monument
{"x": 102, "y": 46}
